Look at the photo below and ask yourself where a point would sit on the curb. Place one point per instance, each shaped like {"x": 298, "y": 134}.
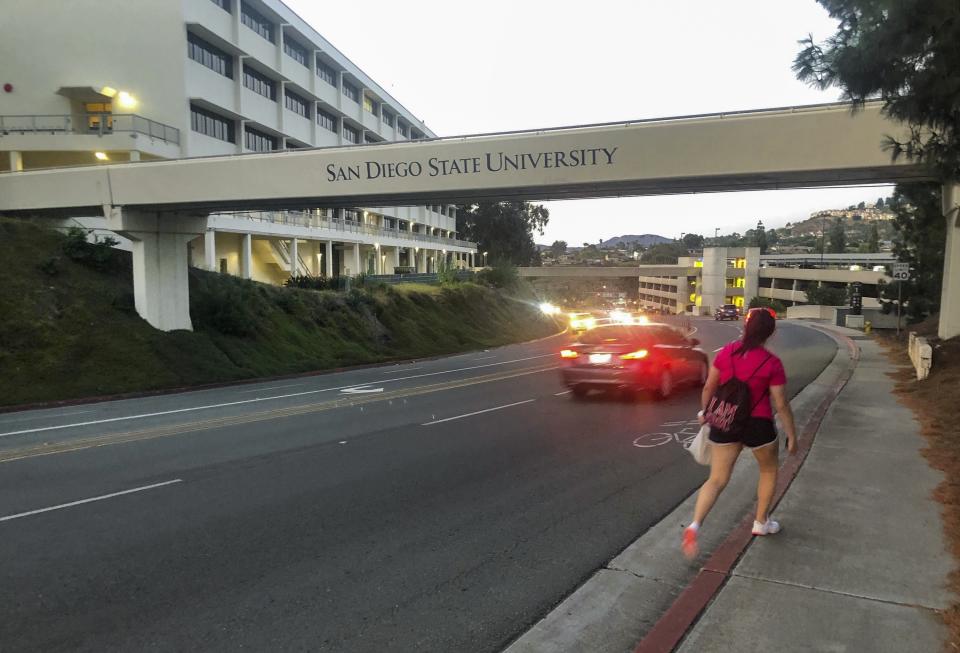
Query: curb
{"x": 97, "y": 399}
{"x": 673, "y": 625}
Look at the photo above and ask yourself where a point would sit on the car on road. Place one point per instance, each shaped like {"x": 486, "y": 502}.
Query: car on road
{"x": 632, "y": 357}
{"x": 727, "y": 312}
{"x": 580, "y": 322}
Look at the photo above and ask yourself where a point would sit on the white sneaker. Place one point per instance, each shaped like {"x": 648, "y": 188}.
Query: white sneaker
{"x": 770, "y": 528}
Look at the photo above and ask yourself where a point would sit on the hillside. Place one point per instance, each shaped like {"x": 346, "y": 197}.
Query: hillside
{"x": 644, "y": 240}
{"x": 68, "y": 330}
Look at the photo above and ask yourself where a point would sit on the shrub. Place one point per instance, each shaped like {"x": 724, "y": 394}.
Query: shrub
{"x": 501, "y": 275}
{"x": 100, "y": 255}
{"x": 766, "y": 302}
{"x": 51, "y": 266}
{"x": 826, "y": 296}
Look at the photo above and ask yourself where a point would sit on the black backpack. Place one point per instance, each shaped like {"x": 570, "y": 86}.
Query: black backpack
{"x": 731, "y": 405}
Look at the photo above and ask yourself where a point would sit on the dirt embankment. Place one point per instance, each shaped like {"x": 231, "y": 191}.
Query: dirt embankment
{"x": 936, "y": 404}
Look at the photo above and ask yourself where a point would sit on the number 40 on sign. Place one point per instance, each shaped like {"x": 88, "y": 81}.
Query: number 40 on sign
{"x": 901, "y": 271}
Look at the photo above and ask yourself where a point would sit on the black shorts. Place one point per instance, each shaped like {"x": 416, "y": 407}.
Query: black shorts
{"x": 757, "y": 432}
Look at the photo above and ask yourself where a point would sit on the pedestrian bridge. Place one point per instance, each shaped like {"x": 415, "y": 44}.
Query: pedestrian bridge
{"x": 157, "y": 203}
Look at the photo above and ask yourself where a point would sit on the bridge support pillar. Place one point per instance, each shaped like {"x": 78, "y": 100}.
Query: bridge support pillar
{"x": 328, "y": 258}
{"x": 294, "y": 257}
{"x": 950, "y": 295}
{"x": 246, "y": 256}
{"x": 356, "y": 260}
{"x": 210, "y": 250}
{"x": 161, "y": 289}
{"x": 16, "y": 161}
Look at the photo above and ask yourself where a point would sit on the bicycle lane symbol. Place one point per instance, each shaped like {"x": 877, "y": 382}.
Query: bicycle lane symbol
{"x": 682, "y": 433}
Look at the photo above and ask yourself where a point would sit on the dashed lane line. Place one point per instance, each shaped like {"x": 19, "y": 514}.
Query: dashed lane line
{"x": 152, "y": 433}
{"x": 90, "y": 500}
{"x": 256, "y": 399}
{"x": 477, "y": 412}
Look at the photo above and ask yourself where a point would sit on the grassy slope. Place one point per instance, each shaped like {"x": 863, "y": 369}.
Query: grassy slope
{"x": 75, "y": 334}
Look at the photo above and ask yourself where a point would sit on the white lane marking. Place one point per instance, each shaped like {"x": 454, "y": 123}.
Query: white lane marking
{"x": 35, "y": 417}
{"x": 276, "y": 387}
{"x": 258, "y": 399}
{"x": 360, "y": 390}
{"x": 484, "y": 358}
{"x": 565, "y": 392}
{"x": 478, "y": 412}
{"x": 408, "y": 369}
{"x": 90, "y": 500}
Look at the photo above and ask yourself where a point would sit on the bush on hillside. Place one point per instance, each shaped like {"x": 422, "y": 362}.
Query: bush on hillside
{"x": 99, "y": 255}
{"x": 502, "y": 275}
{"x": 766, "y": 302}
{"x": 826, "y": 296}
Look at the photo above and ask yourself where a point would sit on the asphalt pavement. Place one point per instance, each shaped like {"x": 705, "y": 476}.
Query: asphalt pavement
{"x": 440, "y": 505}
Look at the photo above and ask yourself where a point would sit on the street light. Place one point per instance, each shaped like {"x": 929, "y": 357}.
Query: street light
{"x": 485, "y": 259}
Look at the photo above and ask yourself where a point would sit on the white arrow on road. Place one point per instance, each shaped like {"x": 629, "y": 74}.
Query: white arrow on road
{"x": 360, "y": 390}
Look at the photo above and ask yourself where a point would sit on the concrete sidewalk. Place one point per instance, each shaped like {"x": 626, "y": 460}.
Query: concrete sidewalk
{"x": 862, "y": 562}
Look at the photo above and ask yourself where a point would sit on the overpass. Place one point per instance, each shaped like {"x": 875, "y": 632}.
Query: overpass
{"x": 159, "y": 203}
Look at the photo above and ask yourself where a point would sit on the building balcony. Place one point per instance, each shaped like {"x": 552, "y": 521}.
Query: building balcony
{"x": 89, "y": 133}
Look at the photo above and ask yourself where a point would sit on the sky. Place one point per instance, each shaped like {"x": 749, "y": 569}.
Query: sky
{"x": 509, "y": 64}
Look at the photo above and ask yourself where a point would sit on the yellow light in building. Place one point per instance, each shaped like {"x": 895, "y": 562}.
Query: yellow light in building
{"x": 101, "y": 156}
{"x": 109, "y": 91}
{"x": 126, "y": 101}
{"x": 698, "y": 264}
{"x": 693, "y": 297}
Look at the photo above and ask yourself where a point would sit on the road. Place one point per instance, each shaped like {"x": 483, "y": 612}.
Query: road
{"x": 441, "y": 505}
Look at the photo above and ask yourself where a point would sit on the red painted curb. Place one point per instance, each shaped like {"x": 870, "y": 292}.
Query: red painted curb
{"x": 80, "y": 401}
{"x": 671, "y": 627}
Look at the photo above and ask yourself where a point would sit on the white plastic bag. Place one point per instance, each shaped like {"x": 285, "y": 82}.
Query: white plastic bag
{"x": 699, "y": 447}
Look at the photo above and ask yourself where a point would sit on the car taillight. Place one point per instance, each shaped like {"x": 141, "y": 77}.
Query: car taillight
{"x": 635, "y": 355}
{"x": 568, "y": 353}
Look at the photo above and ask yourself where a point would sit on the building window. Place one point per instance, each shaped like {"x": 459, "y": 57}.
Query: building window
{"x": 296, "y": 104}
{"x": 258, "y": 141}
{"x": 256, "y": 21}
{"x": 326, "y": 73}
{"x": 223, "y": 4}
{"x": 259, "y": 83}
{"x": 369, "y": 105}
{"x": 295, "y": 51}
{"x": 351, "y": 134}
{"x": 351, "y": 92}
{"x": 326, "y": 120}
{"x": 369, "y": 138}
{"x": 210, "y": 124}
{"x": 207, "y": 55}
{"x": 388, "y": 118}
{"x": 402, "y": 128}
{"x": 351, "y": 215}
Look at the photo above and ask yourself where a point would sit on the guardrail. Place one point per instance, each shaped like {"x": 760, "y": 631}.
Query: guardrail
{"x": 921, "y": 355}
{"x": 308, "y": 219}
{"x": 95, "y": 124}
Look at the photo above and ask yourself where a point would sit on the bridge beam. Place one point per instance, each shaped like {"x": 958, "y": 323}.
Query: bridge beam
{"x": 161, "y": 289}
{"x": 950, "y": 295}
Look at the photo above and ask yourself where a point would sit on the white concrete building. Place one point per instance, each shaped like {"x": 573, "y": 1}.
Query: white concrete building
{"x": 101, "y": 81}
{"x": 735, "y": 275}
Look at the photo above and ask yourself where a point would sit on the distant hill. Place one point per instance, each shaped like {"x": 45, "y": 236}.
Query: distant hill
{"x": 644, "y": 240}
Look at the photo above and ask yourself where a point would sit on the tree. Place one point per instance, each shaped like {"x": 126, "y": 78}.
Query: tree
{"x": 879, "y": 203}
{"x": 862, "y": 205}
{"x": 665, "y": 254}
{"x": 919, "y": 233}
{"x": 838, "y": 238}
{"x": 693, "y": 241}
{"x": 760, "y": 237}
{"x": 906, "y": 54}
{"x": 505, "y": 229}
{"x": 558, "y": 248}
{"x": 873, "y": 239}
{"x": 827, "y": 296}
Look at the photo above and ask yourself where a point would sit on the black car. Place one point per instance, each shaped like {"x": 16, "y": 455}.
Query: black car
{"x": 633, "y": 357}
{"x": 727, "y": 312}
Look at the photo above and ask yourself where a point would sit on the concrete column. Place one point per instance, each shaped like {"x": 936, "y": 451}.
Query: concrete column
{"x": 713, "y": 279}
{"x": 950, "y": 295}
{"x": 16, "y": 161}
{"x": 395, "y": 260}
{"x": 751, "y": 274}
{"x": 328, "y": 258}
{"x": 246, "y": 256}
{"x": 294, "y": 257}
{"x": 356, "y": 260}
{"x": 160, "y": 263}
{"x": 134, "y": 155}
{"x": 210, "y": 250}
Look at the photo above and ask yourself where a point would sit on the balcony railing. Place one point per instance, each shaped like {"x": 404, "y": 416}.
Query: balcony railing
{"x": 309, "y": 219}
{"x": 96, "y": 124}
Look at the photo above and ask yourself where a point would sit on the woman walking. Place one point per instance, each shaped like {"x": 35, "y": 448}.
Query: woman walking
{"x": 762, "y": 371}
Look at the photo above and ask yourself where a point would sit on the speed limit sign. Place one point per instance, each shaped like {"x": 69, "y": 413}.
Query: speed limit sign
{"x": 901, "y": 271}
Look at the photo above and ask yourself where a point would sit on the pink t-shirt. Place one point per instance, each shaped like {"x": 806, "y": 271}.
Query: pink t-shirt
{"x": 767, "y": 373}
